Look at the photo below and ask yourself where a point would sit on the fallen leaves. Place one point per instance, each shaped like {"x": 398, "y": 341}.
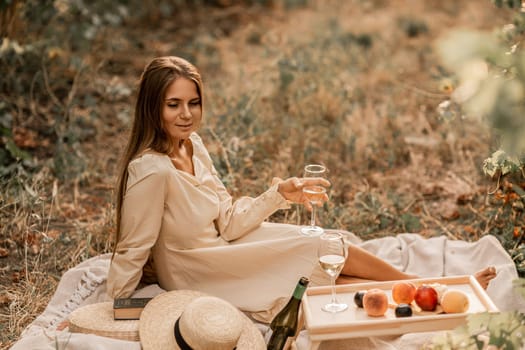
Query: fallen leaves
{"x": 448, "y": 210}
{"x": 5, "y": 299}
{"x": 29, "y": 139}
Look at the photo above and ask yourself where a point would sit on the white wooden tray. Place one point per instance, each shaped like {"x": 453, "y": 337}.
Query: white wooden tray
{"x": 354, "y": 322}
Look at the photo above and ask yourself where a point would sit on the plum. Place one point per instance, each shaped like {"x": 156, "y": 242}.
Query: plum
{"x": 403, "y": 310}
{"x": 358, "y": 298}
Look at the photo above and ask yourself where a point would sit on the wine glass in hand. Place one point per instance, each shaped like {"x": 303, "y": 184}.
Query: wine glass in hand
{"x": 332, "y": 255}
{"x": 315, "y": 195}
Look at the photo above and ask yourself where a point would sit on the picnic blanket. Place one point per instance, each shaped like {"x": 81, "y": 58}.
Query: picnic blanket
{"x": 85, "y": 284}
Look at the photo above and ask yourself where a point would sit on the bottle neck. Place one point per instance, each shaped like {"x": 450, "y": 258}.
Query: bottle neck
{"x": 299, "y": 291}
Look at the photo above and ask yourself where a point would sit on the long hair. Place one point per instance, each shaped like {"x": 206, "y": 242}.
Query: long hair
{"x": 147, "y": 131}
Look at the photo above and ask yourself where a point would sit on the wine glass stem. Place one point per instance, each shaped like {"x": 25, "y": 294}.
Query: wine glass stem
{"x": 312, "y": 217}
{"x": 332, "y": 282}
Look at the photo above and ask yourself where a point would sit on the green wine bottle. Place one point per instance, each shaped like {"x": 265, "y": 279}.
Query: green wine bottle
{"x": 284, "y": 324}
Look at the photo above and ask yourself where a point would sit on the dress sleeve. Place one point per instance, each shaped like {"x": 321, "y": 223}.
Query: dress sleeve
{"x": 142, "y": 211}
{"x": 246, "y": 213}
{"x": 240, "y": 217}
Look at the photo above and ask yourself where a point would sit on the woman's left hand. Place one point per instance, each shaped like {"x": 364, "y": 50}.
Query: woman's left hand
{"x": 292, "y": 189}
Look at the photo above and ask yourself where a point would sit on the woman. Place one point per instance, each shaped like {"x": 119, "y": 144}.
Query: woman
{"x": 178, "y": 226}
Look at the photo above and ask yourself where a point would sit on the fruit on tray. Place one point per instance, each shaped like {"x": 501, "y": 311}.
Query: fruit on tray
{"x": 454, "y": 301}
{"x": 375, "y": 302}
{"x": 440, "y": 289}
{"x": 358, "y": 298}
{"x": 403, "y": 292}
{"x": 403, "y": 310}
{"x": 409, "y": 299}
{"x": 426, "y": 297}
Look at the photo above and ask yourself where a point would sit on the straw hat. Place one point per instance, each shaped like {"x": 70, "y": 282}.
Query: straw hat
{"x": 98, "y": 319}
{"x": 201, "y": 321}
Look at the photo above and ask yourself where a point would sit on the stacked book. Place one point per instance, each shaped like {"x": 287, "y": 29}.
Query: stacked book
{"x": 128, "y": 308}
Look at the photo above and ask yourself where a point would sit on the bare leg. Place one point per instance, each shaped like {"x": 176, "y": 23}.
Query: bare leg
{"x": 362, "y": 264}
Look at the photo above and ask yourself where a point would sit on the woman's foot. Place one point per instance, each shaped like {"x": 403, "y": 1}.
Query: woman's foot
{"x": 485, "y": 276}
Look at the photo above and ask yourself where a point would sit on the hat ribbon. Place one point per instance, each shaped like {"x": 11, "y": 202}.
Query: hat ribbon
{"x": 180, "y": 339}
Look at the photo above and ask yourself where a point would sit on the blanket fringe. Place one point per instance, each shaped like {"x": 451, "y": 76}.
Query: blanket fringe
{"x": 87, "y": 285}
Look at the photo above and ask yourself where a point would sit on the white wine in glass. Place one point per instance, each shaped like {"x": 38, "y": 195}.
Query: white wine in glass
{"x": 315, "y": 195}
{"x": 332, "y": 255}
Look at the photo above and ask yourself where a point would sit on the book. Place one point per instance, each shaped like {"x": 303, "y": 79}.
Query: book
{"x": 128, "y": 308}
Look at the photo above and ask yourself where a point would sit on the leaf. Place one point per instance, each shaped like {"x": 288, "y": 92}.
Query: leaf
{"x": 448, "y": 210}
{"x": 4, "y": 252}
{"x": 411, "y": 223}
{"x": 501, "y": 161}
{"x": 5, "y": 299}
{"x": 16, "y": 152}
{"x": 25, "y": 138}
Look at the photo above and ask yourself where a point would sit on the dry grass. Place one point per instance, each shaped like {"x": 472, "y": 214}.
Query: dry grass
{"x": 339, "y": 82}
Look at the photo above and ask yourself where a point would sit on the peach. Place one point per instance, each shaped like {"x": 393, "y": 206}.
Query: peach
{"x": 403, "y": 292}
{"x": 454, "y": 301}
{"x": 375, "y": 302}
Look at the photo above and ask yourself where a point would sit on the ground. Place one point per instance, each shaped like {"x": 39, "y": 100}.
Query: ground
{"x": 353, "y": 84}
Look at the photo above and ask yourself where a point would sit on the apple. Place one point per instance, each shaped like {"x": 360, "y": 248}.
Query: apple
{"x": 426, "y": 297}
{"x": 375, "y": 302}
{"x": 403, "y": 292}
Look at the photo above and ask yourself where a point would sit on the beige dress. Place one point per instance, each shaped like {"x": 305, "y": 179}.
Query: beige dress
{"x": 199, "y": 239}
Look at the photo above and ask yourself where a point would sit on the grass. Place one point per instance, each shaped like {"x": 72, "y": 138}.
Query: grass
{"x": 354, "y": 85}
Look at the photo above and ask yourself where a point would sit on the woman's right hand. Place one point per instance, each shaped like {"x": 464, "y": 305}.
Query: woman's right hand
{"x": 292, "y": 189}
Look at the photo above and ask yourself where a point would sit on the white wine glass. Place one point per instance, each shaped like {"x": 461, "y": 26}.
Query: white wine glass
{"x": 332, "y": 255}
{"x": 315, "y": 195}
